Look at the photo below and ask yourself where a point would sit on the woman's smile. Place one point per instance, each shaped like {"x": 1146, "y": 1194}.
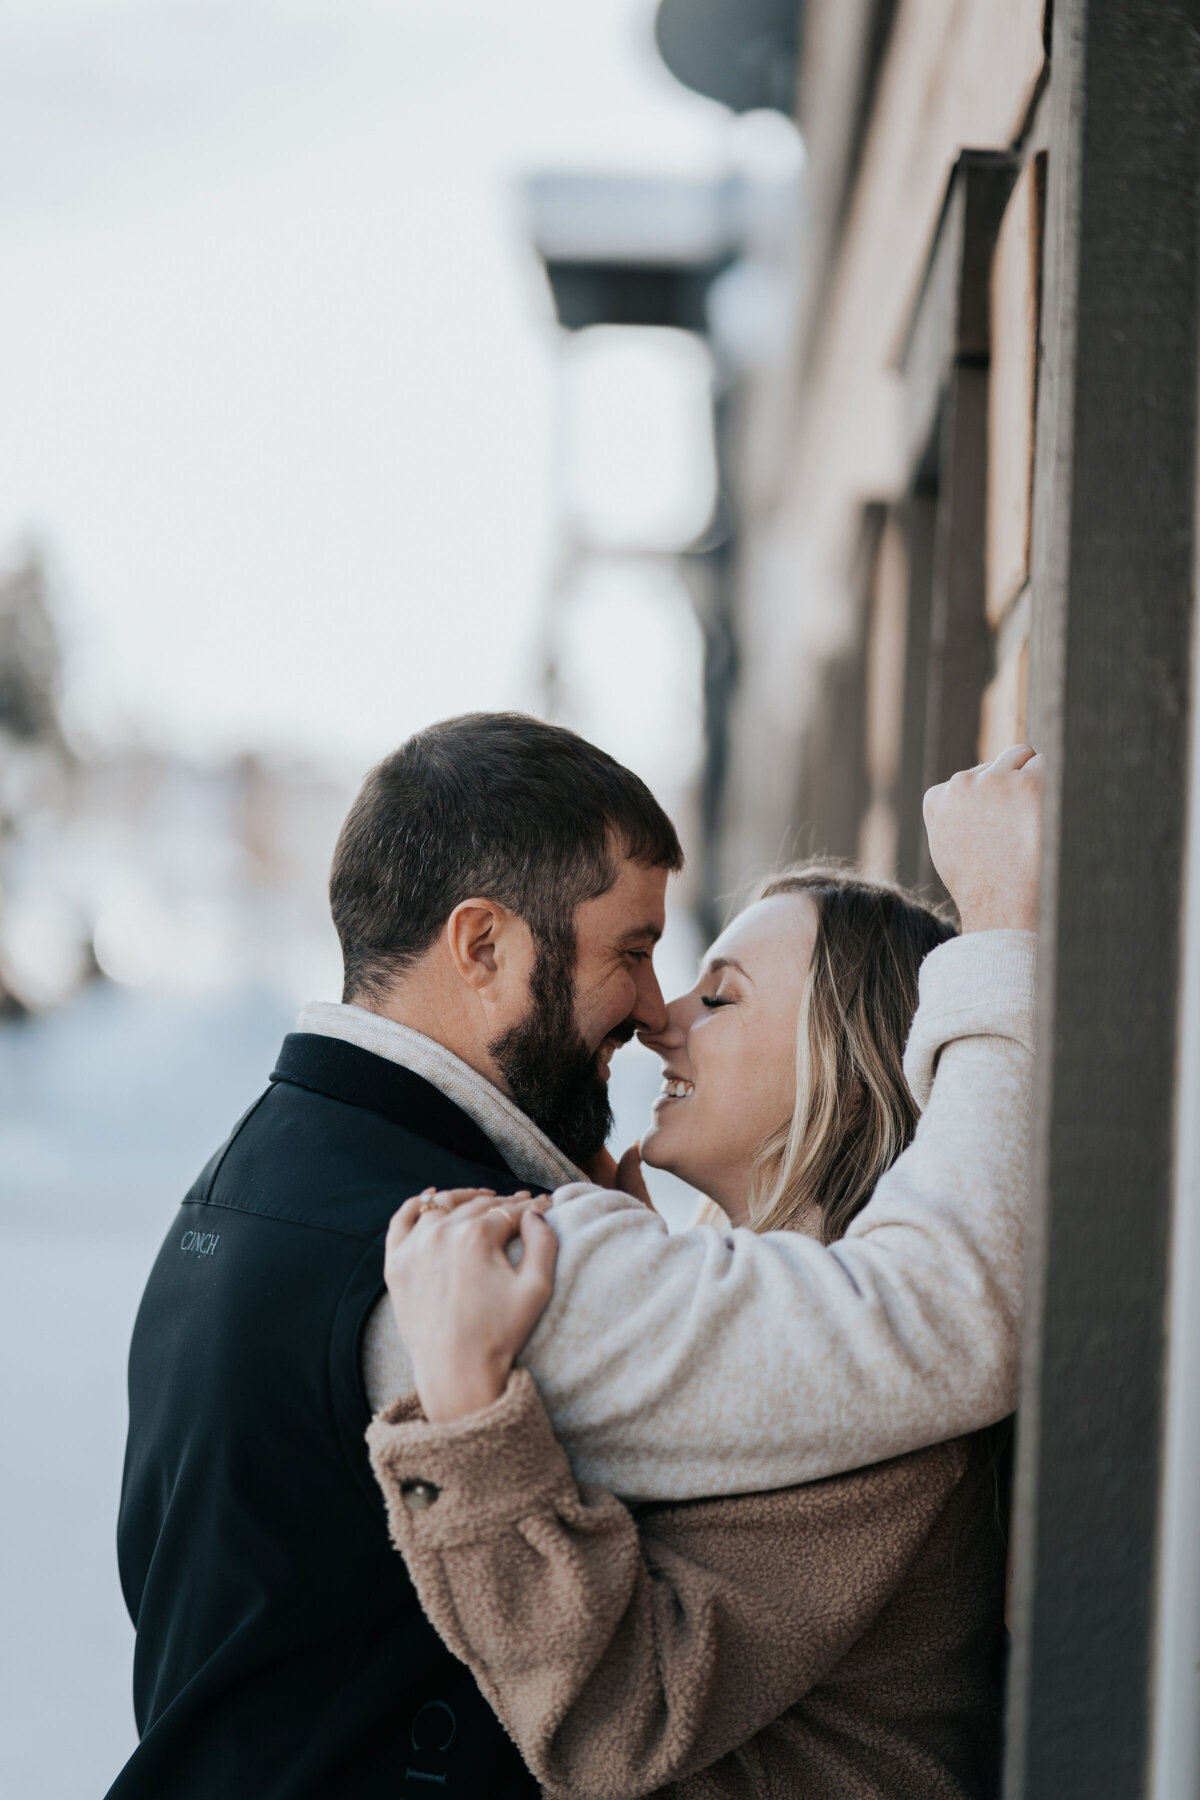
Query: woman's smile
{"x": 728, "y": 1050}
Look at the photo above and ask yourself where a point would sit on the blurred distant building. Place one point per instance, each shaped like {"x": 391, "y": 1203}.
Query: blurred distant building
{"x": 140, "y": 867}
{"x": 963, "y": 493}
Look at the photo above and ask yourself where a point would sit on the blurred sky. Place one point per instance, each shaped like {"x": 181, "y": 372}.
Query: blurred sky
{"x": 275, "y": 364}
{"x": 276, "y": 397}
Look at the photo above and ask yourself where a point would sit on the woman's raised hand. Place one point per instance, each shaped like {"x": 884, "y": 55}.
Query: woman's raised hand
{"x": 463, "y": 1309}
{"x": 984, "y": 828}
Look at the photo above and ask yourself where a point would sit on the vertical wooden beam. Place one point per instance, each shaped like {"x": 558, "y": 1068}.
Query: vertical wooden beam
{"x": 884, "y": 695}
{"x": 946, "y": 380}
{"x": 960, "y": 645}
{"x": 919, "y": 511}
{"x": 1113, "y": 585}
{"x": 1012, "y": 389}
{"x": 833, "y": 788}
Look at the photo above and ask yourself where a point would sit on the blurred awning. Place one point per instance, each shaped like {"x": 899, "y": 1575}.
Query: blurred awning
{"x": 633, "y": 250}
{"x": 744, "y": 53}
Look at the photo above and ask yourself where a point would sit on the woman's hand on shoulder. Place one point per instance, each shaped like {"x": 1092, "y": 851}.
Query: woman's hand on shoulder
{"x": 462, "y": 1308}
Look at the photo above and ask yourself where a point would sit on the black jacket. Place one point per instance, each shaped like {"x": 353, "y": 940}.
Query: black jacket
{"x": 281, "y": 1652}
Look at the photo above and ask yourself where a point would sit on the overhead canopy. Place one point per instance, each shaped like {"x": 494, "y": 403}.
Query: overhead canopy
{"x": 744, "y": 53}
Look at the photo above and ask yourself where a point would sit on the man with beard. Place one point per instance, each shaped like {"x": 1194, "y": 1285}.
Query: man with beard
{"x": 498, "y": 889}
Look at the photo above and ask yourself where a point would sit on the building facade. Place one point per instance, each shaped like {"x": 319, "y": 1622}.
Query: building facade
{"x": 965, "y": 503}
{"x": 958, "y": 509}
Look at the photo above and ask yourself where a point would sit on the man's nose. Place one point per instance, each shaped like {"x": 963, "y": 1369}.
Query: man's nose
{"x": 649, "y": 1007}
{"x": 668, "y": 1033}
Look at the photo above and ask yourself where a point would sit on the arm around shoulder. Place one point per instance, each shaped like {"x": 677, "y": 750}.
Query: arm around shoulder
{"x": 675, "y": 1367}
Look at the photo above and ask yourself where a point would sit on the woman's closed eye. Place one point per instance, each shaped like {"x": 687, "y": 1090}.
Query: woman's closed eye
{"x": 712, "y": 1001}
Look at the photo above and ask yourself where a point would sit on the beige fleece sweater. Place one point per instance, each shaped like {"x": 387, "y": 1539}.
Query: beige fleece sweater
{"x": 684, "y": 1366}
{"x": 839, "y": 1641}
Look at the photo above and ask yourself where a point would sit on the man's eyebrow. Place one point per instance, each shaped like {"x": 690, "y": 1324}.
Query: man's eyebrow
{"x": 651, "y": 931}
{"x": 716, "y": 963}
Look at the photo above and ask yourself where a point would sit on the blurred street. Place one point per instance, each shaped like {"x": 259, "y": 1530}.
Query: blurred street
{"x": 108, "y": 1109}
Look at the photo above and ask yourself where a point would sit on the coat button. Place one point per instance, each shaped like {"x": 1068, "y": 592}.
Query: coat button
{"x": 417, "y": 1495}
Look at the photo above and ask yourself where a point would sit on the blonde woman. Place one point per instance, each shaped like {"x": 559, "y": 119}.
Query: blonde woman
{"x": 838, "y": 1640}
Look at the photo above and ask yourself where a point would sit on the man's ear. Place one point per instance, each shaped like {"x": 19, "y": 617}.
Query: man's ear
{"x": 471, "y": 933}
{"x": 492, "y": 951}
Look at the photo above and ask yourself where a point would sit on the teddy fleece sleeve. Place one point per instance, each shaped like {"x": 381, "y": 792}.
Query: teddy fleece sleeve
{"x": 720, "y": 1362}
{"x": 622, "y": 1655}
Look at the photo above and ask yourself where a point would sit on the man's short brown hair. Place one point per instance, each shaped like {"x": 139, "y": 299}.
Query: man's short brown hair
{"x": 494, "y": 804}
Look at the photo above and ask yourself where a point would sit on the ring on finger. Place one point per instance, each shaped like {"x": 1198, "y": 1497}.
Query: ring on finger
{"x": 430, "y": 1202}
{"x": 503, "y": 1209}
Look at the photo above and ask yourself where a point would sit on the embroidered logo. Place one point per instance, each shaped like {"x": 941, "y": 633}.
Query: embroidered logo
{"x": 433, "y": 1731}
{"x": 200, "y": 1243}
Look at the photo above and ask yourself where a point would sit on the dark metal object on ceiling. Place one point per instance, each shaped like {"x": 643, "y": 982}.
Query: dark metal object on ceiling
{"x": 628, "y": 294}
{"x": 744, "y": 53}
{"x": 632, "y": 249}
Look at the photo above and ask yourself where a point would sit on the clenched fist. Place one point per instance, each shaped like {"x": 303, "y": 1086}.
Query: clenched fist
{"x": 984, "y": 830}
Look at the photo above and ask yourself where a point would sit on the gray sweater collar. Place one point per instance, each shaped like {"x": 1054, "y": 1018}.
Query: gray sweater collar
{"x": 525, "y": 1148}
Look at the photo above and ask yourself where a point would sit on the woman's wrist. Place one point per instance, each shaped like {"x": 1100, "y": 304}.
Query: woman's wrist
{"x": 496, "y": 1466}
{"x": 450, "y": 1390}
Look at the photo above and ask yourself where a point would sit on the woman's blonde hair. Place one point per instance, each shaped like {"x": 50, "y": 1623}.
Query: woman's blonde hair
{"x": 854, "y": 1112}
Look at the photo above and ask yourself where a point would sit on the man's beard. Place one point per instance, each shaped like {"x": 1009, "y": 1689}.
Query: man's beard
{"x": 550, "y": 1072}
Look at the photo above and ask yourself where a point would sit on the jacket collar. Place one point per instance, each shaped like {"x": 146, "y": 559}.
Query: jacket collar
{"x": 345, "y": 1072}
{"x": 523, "y": 1145}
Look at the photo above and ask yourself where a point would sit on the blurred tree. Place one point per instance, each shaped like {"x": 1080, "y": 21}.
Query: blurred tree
{"x": 35, "y": 761}
{"x": 30, "y": 656}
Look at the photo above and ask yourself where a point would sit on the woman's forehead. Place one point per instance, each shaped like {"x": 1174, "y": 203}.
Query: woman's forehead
{"x": 781, "y": 923}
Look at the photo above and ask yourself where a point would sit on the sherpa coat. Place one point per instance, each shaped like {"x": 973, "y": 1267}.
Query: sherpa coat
{"x": 837, "y": 1641}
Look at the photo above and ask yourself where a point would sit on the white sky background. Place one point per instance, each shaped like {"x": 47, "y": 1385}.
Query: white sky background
{"x": 275, "y": 362}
